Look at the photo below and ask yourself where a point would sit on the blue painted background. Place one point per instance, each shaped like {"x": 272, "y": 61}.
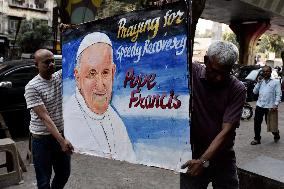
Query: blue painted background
{"x": 152, "y": 128}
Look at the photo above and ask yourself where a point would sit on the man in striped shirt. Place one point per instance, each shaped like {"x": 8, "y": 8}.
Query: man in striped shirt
{"x": 49, "y": 147}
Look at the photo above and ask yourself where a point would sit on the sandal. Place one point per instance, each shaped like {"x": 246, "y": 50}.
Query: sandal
{"x": 255, "y": 142}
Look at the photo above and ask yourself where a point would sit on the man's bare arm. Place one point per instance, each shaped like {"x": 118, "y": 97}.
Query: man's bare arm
{"x": 195, "y": 167}
{"x": 217, "y": 143}
{"x": 51, "y": 127}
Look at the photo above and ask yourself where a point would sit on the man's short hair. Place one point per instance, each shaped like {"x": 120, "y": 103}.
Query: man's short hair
{"x": 266, "y": 66}
{"x": 226, "y": 53}
{"x": 88, "y": 40}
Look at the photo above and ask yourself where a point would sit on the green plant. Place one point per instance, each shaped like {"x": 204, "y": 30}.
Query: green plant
{"x": 33, "y": 35}
{"x": 231, "y": 37}
{"x": 270, "y": 43}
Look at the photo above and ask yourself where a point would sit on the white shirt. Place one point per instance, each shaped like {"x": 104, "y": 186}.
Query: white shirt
{"x": 269, "y": 93}
{"x": 100, "y": 135}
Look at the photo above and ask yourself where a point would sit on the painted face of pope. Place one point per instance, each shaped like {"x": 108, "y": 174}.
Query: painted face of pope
{"x": 95, "y": 76}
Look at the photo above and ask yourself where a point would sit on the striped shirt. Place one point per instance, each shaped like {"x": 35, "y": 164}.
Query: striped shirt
{"x": 40, "y": 91}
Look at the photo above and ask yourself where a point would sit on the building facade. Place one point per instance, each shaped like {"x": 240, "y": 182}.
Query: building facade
{"x": 12, "y": 12}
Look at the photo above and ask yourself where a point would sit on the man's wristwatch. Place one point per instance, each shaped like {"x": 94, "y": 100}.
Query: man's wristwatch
{"x": 205, "y": 163}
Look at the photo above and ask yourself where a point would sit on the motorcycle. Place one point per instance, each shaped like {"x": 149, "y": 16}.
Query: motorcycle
{"x": 247, "y": 112}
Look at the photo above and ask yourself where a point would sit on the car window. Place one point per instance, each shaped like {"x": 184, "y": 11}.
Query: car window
{"x": 244, "y": 73}
{"x": 252, "y": 75}
{"x": 21, "y": 76}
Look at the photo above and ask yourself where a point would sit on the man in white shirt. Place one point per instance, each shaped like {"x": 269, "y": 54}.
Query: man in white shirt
{"x": 91, "y": 124}
{"x": 269, "y": 98}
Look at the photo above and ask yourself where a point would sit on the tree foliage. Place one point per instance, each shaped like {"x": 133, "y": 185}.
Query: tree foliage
{"x": 231, "y": 37}
{"x": 33, "y": 35}
{"x": 270, "y": 43}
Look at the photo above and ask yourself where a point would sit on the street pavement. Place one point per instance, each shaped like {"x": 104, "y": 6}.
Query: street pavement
{"x": 90, "y": 172}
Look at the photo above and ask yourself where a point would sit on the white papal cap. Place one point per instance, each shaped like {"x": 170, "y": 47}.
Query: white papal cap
{"x": 92, "y": 38}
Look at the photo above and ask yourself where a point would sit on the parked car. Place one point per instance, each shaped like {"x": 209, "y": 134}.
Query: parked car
{"x": 14, "y": 75}
{"x": 241, "y": 72}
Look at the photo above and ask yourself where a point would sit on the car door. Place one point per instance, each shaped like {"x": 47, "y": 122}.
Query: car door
{"x": 13, "y": 98}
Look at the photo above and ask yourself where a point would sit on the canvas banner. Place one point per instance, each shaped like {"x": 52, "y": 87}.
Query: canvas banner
{"x": 126, "y": 87}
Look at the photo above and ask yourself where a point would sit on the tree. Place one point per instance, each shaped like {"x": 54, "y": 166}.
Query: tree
{"x": 34, "y": 35}
{"x": 231, "y": 37}
{"x": 272, "y": 43}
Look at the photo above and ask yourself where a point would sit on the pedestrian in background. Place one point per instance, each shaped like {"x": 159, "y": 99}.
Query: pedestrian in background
{"x": 49, "y": 147}
{"x": 269, "y": 98}
{"x": 218, "y": 100}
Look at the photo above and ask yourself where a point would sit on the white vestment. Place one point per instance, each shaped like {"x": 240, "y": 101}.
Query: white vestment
{"x": 100, "y": 135}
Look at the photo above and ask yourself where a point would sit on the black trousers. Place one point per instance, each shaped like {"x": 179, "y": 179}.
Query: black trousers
{"x": 258, "y": 118}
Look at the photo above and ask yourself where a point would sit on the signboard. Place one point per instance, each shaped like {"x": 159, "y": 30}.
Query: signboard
{"x": 126, "y": 87}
